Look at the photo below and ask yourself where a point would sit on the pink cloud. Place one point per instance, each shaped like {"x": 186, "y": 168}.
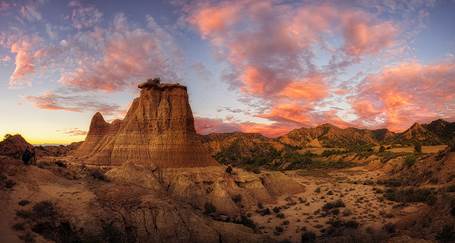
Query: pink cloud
{"x": 72, "y": 103}
{"x": 270, "y": 46}
{"x": 128, "y": 54}
{"x": 409, "y": 92}
{"x": 205, "y": 125}
{"x": 23, "y": 61}
{"x": 363, "y": 37}
{"x": 214, "y": 125}
{"x": 73, "y": 132}
{"x": 84, "y": 16}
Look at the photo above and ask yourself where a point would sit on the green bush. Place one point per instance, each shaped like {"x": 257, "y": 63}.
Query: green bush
{"x": 418, "y": 148}
{"x": 209, "y": 208}
{"x": 330, "y": 152}
{"x": 335, "y": 204}
{"x": 447, "y": 234}
{"x": 410, "y": 160}
{"x": 308, "y": 237}
{"x": 411, "y": 195}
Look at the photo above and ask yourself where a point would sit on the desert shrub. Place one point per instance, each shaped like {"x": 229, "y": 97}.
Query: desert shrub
{"x": 308, "y": 237}
{"x": 237, "y": 198}
{"x": 411, "y": 195}
{"x": 317, "y": 190}
{"x": 247, "y": 222}
{"x": 6, "y": 183}
{"x": 264, "y": 211}
{"x": 28, "y": 237}
{"x": 361, "y": 148}
{"x": 335, "y": 204}
{"x": 344, "y": 224}
{"x": 386, "y": 156}
{"x": 447, "y": 234}
{"x": 392, "y": 182}
{"x": 280, "y": 215}
{"x": 60, "y": 164}
{"x": 440, "y": 155}
{"x": 19, "y": 226}
{"x": 229, "y": 170}
{"x": 44, "y": 209}
{"x": 389, "y": 228}
{"x": 381, "y": 149}
{"x": 335, "y": 211}
{"x": 251, "y": 156}
{"x": 112, "y": 233}
{"x": 276, "y": 209}
{"x": 23, "y": 202}
{"x": 7, "y": 136}
{"x": 450, "y": 188}
{"x": 23, "y": 214}
{"x": 418, "y": 148}
{"x": 347, "y": 212}
{"x": 209, "y": 208}
{"x": 278, "y": 230}
{"x": 410, "y": 160}
{"x": 330, "y": 152}
{"x": 296, "y": 160}
{"x": 452, "y": 207}
{"x": 98, "y": 175}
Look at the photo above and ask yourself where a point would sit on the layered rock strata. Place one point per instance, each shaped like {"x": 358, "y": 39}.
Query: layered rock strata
{"x": 158, "y": 129}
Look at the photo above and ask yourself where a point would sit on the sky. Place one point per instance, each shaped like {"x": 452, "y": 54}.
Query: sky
{"x": 266, "y": 66}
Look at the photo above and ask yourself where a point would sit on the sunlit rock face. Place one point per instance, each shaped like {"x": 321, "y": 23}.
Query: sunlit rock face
{"x": 158, "y": 129}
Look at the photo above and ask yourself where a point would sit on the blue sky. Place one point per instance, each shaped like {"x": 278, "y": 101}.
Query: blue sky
{"x": 253, "y": 66}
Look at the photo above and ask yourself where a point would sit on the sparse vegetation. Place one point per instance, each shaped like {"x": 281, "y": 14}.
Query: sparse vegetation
{"x": 330, "y": 152}
{"x": 335, "y": 204}
{"x": 98, "y": 175}
{"x": 410, "y": 160}
{"x": 446, "y": 235}
{"x": 23, "y": 202}
{"x": 418, "y": 147}
{"x": 410, "y": 195}
{"x": 308, "y": 237}
{"x": 209, "y": 208}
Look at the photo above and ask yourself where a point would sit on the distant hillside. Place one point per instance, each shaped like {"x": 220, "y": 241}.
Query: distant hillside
{"x": 330, "y": 136}
{"x": 254, "y": 149}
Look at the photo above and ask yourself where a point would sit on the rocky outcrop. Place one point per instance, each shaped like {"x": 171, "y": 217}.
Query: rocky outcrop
{"x": 14, "y": 146}
{"x": 158, "y": 129}
{"x": 228, "y": 193}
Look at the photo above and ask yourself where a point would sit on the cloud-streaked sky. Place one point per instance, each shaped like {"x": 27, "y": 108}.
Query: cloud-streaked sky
{"x": 265, "y": 66}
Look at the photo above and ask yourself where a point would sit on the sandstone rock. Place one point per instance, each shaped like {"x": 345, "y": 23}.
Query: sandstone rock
{"x": 158, "y": 129}
{"x": 211, "y": 184}
{"x": 14, "y": 146}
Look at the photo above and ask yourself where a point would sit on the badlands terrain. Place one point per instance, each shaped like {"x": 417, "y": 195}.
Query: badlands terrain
{"x": 151, "y": 178}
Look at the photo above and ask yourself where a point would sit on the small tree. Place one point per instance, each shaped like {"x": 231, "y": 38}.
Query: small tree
{"x": 381, "y": 149}
{"x": 7, "y": 136}
{"x": 418, "y": 148}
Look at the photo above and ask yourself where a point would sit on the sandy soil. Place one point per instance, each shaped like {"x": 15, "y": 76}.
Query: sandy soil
{"x": 304, "y": 211}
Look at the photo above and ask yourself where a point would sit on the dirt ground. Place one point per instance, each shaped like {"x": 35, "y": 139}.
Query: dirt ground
{"x": 363, "y": 203}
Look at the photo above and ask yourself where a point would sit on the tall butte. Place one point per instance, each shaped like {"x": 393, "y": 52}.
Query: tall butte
{"x": 158, "y": 129}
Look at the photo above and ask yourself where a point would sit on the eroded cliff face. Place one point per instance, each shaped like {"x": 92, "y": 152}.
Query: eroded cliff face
{"x": 158, "y": 129}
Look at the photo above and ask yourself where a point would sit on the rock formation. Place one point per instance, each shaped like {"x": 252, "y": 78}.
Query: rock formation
{"x": 14, "y": 146}
{"x": 158, "y": 129}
